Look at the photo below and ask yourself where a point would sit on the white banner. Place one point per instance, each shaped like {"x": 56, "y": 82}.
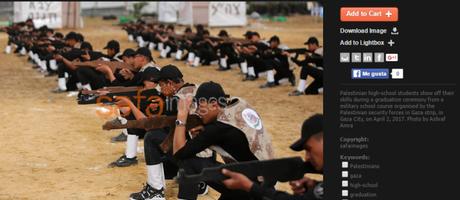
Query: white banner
{"x": 167, "y": 11}
{"x": 227, "y": 13}
{"x": 185, "y": 14}
{"x": 47, "y": 13}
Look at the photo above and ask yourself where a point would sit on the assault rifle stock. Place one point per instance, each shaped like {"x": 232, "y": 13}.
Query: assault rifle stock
{"x": 155, "y": 122}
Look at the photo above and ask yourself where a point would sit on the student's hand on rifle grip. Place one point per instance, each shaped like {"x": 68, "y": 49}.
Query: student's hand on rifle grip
{"x": 86, "y": 56}
{"x": 122, "y": 101}
{"x": 298, "y": 186}
{"x": 195, "y": 131}
{"x": 51, "y": 48}
{"x": 236, "y": 181}
{"x": 104, "y": 69}
{"x": 127, "y": 74}
{"x": 285, "y": 53}
{"x": 58, "y": 57}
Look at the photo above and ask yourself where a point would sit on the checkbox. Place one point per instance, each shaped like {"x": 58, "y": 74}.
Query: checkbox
{"x": 344, "y": 164}
{"x": 345, "y": 174}
{"x": 344, "y": 183}
{"x": 344, "y": 193}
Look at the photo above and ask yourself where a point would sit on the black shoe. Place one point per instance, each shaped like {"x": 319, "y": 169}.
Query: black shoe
{"x": 268, "y": 85}
{"x": 202, "y": 188}
{"x": 292, "y": 80}
{"x": 50, "y": 74}
{"x": 58, "y": 90}
{"x": 249, "y": 78}
{"x": 148, "y": 193}
{"x": 123, "y": 161}
{"x": 295, "y": 93}
{"x": 222, "y": 69}
{"x": 119, "y": 138}
{"x": 88, "y": 99}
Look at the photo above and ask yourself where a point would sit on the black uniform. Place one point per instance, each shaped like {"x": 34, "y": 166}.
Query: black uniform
{"x": 230, "y": 139}
{"x": 70, "y": 55}
{"x": 227, "y": 50}
{"x": 142, "y": 104}
{"x": 135, "y": 81}
{"x": 314, "y": 71}
{"x": 256, "y": 59}
{"x": 97, "y": 79}
{"x": 153, "y": 138}
{"x": 273, "y": 59}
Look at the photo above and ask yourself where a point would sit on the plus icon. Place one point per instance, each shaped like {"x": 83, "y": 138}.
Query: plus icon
{"x": 391, "y": 42}
{"x": 388, "y": 14}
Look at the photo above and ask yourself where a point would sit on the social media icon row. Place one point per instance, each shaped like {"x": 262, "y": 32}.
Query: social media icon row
{"x": 368, "y": 57}
{"x": 377, "y": 73}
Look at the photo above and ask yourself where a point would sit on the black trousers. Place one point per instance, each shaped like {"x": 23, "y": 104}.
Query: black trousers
{"x": 171, "y": 45}
{"x": 185, "y": 48}
{"x": 282, "y": 69}
{"x": 206, "y": 55}
{"x": 73, "y": 78}
{"x": 194, "y": 166}
{"x": 258, "y": 64}
{"x": 48, "y": 56}
{"x": 231, "y": 55}
{"x": 314, "y": 72}
{"x": 88, "y": 75}
{"x": 154, "y": 155}
{"x": 135, "y": 131}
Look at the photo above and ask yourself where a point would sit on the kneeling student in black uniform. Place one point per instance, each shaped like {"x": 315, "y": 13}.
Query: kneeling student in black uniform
{"x": 160, "y": 165}
{"x": 229, "y": 129}
{"x": 305, "y": 188}
{"x": 311, "y": 66}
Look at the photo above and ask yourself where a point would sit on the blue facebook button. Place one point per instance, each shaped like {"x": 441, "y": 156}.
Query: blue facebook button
{"x": 366, "y": 73}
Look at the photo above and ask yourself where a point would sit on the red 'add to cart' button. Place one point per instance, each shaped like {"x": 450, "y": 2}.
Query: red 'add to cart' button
{"x": 368, "y": 14}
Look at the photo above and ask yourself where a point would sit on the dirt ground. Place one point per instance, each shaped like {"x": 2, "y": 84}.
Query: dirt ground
{"x": 53, "y": 148}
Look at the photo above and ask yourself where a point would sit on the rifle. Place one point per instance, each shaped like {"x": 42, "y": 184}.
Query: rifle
{"x": 227, "y": 39}
{"x": 183, "y": 36}
{"x": 114, "y": 89}
{"x": 156, "y": 122}
{"x": 231, "y": 40}
{"x": 112, "y": 64}
{"x": 298, "y": 50}
{"x": 282, "y": 169}
{"x": 95, "y": 96}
